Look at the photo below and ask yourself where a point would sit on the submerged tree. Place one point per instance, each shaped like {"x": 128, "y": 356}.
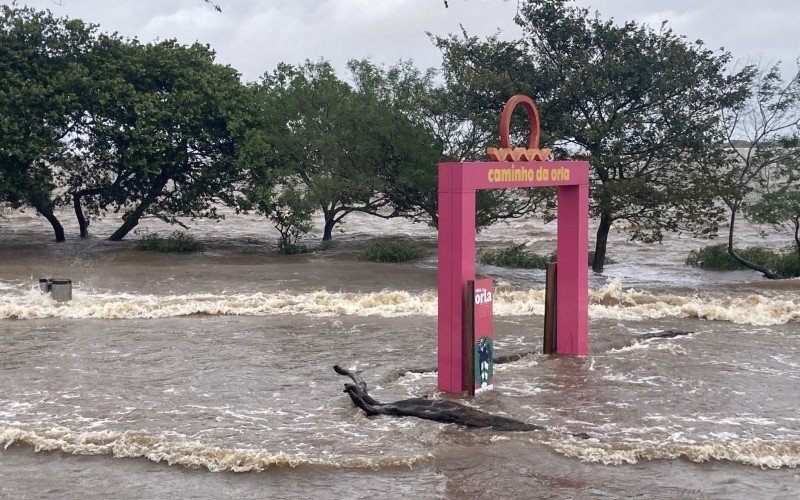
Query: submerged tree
{"x": 761, "y": 152}
{"x": 639, "y": 103}
{"x": 43, "y": 82}
{"x": 339, "y": 142}
{"x": 443, "y": 128}
{"x": 780, "y": 208}
{"x": 164, "y": 133}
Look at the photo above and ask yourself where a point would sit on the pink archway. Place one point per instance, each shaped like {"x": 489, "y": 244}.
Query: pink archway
{"x": 458, "y": 183}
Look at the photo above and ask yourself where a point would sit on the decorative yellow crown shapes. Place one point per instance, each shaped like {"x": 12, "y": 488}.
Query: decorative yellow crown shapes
{"x": 505, "y": 152}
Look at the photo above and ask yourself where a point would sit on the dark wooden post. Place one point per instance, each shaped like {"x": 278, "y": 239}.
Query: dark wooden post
{"x": 550, "y": 341}
{"x": 469, "y": 339}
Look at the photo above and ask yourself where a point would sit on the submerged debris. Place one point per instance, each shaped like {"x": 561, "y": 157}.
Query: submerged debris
{"x": 437, "y": 410}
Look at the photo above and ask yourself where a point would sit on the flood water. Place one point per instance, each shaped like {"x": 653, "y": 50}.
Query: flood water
{"x": 210, "y": 374}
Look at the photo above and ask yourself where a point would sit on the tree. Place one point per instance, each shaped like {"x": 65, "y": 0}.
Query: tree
{"x": 781, "y": 208}
{"x": 440, "y": 128}
{"x": 290, "y": 213}
{"x": 761, "y": 148}
{"x": 342, "y": 144}
{"x": 639, "y": 103}
{"x": 43, "y": 81}
{"x": 163, "y": 136}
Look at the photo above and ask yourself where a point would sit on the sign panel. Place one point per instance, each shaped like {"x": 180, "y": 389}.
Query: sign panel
{"x": 480, "y": 336}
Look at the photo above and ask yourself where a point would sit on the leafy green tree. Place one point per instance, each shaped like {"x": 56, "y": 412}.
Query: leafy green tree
{"x": 165, "y": 125}
{"x": 639, "y": 103}
{"x": 290, "y": 213}
{"x": 41, "y": 109}
{"x": 440, "y": 128}
{"x": 342, "y": 144}
{"x": 781, "y": 208}
{"x": 760, "y": 152}
{"x": 96, "y": 166}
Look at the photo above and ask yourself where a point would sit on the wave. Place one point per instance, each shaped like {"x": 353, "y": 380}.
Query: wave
{"x": 191, "y": 454}
{"x": 611, "y": 301}
{"x": 767, "y": 454}
{"x": 771, "y": 454}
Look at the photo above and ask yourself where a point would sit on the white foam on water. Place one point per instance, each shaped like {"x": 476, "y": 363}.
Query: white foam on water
{"x": 767, "y": 454}
{"x": 655, "y": 343}
{"x": 191, "y": 454}
{"x": 614, "y": 302}
{"x": 610, "y": 302}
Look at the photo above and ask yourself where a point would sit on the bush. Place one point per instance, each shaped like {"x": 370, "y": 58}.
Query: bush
{"x": 288, "y": 248}
{"x": 515, "y": 256}
{"x": 785, "y": 263}
{"x": 717, "y": 258}
{"x": 386, "y": 250}
{"x": 609, "y": 258}
{"x": 176, "y": 242}
{"x": 760, "y": 255}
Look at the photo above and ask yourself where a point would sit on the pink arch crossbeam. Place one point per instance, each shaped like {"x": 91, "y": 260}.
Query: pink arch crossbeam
{"x": 458, "y": 183}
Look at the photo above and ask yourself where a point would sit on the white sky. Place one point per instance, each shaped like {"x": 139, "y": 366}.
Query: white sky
{"x": 253, "y": 36}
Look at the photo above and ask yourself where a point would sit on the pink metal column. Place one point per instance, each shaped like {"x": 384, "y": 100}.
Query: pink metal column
{"x": 456, "y": 266}
{"x": 572, "y": 290}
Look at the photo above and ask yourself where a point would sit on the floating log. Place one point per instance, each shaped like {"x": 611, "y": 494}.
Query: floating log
{"x": 619, "y": 344}
{"x": 438, "y": 410}
{"x": 449, "y": 412}
{"x": 665, "y": 334}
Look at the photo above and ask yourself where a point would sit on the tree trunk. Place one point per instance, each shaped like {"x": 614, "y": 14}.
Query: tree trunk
{"x": 45, "y": 208}
{"x": 132, "y": 218}
{"x": 763, "y": 270}
{"x": 330, "y": 221}
{"x": 82, "y": 222}
{"x": 797, "y": 234}
{"x": 600, "y": 245}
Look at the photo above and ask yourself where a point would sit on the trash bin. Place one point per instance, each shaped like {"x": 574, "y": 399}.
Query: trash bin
{"x": 61, "y": 290}
{"x": 44, "y": 285}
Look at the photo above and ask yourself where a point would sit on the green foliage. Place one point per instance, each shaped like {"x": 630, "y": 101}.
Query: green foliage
{"x": 787, "y": 264}
{"x": 760, "y": 154}
{"x": 288, "y": 248}
{"x": 392, "y": 250}
{"x": 337, "y": 141}
{"x": 518, "y": 257}
{"x": 432, "y": 124}
{"x": 780, "y": 208}
{"x": 639, "y": 103}
{"x": 717, "y": 258}
{"x": 776, "y": 207}
{"x": 515, "y": 256}
{"x": 164, "y": 138}
{"x": 44, "y": 79}
{"x": 291, "y": 215}
{"x": 176, "y": 242}
{"x": 714, "y": 257}
{"x": 609, "y": 258}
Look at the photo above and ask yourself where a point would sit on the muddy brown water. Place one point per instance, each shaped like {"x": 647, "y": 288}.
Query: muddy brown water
{"x": 209, "y": 375}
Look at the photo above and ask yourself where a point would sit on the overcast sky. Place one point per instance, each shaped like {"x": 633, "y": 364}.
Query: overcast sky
{"x": 254, "y": 35}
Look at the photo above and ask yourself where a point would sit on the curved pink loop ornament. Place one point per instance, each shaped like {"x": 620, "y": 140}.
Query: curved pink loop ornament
{"x": 505, "y": 152}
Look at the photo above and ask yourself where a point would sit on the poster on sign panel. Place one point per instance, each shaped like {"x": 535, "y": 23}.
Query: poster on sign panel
{"x": 481, "y": 339}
